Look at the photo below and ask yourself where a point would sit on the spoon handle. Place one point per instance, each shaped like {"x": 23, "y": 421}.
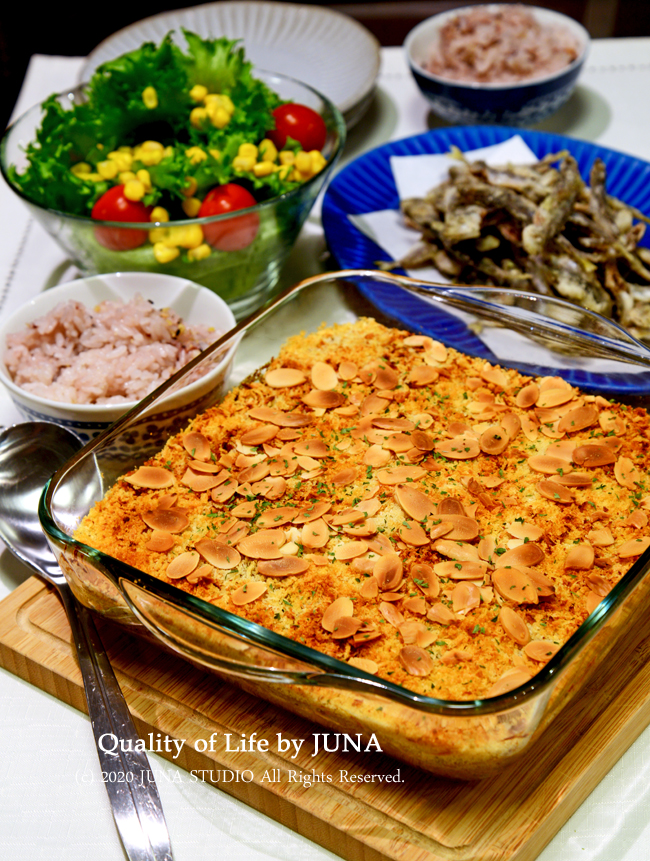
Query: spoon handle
{"x": 126, "y": 772}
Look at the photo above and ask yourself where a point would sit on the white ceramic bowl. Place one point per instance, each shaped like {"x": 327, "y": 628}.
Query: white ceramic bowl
{"x": 515, "y": 104}
{"x": 193, "y": 303}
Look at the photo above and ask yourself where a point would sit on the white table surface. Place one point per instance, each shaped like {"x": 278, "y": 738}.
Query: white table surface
{"x": 52, "y": 804}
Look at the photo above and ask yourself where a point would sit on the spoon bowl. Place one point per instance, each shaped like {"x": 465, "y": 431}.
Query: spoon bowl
{"x": 29, "y": 454}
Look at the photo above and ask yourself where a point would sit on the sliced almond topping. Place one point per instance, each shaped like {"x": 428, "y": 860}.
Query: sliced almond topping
{"x": 461, "y": 570}
{"x": 638, "y": 519}
{"x": 415, "y": 604}
{"x": 344, "y": 477}
{"x": 255, "y": 473}
{"x": 510, "y": 680}
{"x": 280, "y": 378}
{"x": 601, "y": 537}
{"x": 315, "y": 534}
{"x": 323, "y": 376}
{"x": 410, "y": 630}
{"x": 548, "y": 464}
{"x": 391, "y": 614}
{"x": 348, "y": 370}
{"x": 555, "y": 492}
{"x": 425, "y": 579}
{"x": 399, "y": 443}
{"x": 292, "y": 420}
{"x": 323, "y": 400}
{"x": 151, "y": 477}
{"x": 263, "y": 414}
{"x": 454, "y": 550}
{"x": 422, "y": 375}
{"x": 513, "y": 585}
{"x": 626, "y": 473}
{"x": 599, "y": 584}
{"x": 248, "y": 593}
{"x": 416, "y": 661}
{"x": 399, "y": 474}
{"x": 455, "y": 656}
{"x": 219, "y": 555}
{"x": 350, "y": 550}
{"x": 465, "y": 596}
{"x": 197, "y": 445}
{"x": 285, "y": 567}
{"x": 182, "y": 565}
{"x": 529, "y": 428}
{"x": 366, "y": 633}
{"x": 273, "y": 487}
{"x": 313, "y": 511}
{"x": 311, "y": 448}
{"x": 205, "y": 466}
{"x": 526, "y": 554}
{"x": 463, "y": 528}
{"x": 347, "y": 517}
{"x": 494, "y": 375}
{"x": 525, "y": 531}
{"x": 345, "y": 627}
{"x": 574, "y": 479}
{"x": 264, "y": 544}
{"x": 376, "y": 456}
{"x": 422, "y": 440}
{"x": 224, "y": 491}
{"x": 275, "y": 517}
{"x": 494, "y": 440}
{"x": 514, "y": 625}
{"x": 591, "y": 456}
{"x": 592, "y": 600}
{"x": 455, "y": 429}
{"x": 160, "y": 541}
{"x": 369, "y": 588}
{"x": 388, "y": 572}
{"x": 633, "y": 547}
{"x": 365, "y": 665}
{"x": 541, "y": 650}
{"x": 451, "y": 505}
{"x": 511, "y": 423}
{"x": 166, "y": 520}
{"x": 580, "y": 556}
{"x": 200, "y": 481}
{"x": 259, "y": 435}
{"x": 579, "y": 419}
{"x": 441, "y": 614}
{"x": 387, "y": 378}
{"x": 486, "y": 548}
{"x": 435, "y": 351}
{"x": 554, "y": 397}
{"x": 610, "y": 422}
{"x": 527, "y": 397}
{"x": 458, "y": 448}
{"x": 339, "y": 608}
{"x": 414, "y": 502}
{"x": 412, "y": 533}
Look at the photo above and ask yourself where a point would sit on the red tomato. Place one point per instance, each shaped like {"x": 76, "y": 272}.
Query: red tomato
{"x": 113, "y": 206}
{"x": 300, "y": 123}
{"x": 231, "y": 234}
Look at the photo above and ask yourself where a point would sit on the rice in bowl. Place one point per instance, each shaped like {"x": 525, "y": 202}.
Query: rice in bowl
{"x": 116, "y": 352}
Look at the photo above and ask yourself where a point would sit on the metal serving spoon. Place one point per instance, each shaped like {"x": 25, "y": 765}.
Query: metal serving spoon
{"x": 29, "y": 454}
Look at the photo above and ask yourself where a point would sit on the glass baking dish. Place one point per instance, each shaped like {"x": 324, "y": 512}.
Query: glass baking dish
{"x": 465, "y": 739}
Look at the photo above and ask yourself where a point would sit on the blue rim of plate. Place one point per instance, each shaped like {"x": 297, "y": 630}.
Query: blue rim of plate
{"x": 367, "y": 185}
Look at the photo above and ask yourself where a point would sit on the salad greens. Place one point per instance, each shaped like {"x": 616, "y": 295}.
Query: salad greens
{"x": 151, "y": 94}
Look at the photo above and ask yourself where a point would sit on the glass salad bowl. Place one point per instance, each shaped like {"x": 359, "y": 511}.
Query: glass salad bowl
{"x": 246, "y": 276}
{"x": 540, "y": 336}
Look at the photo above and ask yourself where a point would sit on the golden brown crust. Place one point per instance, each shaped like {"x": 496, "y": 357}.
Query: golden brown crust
{"x": 464, "y": 518}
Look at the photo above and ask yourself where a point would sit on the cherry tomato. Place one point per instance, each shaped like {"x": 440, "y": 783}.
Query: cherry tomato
{"x": 232, "y": 234}
{"x": 113, "y": 206}
{"x": 300, "y": 123}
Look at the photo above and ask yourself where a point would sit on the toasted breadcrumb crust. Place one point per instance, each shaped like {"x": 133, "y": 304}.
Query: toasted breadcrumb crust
{"x": 465, "y": 518}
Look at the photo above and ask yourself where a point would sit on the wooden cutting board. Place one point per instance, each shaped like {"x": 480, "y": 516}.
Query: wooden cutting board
{"x": 510, "y": 817}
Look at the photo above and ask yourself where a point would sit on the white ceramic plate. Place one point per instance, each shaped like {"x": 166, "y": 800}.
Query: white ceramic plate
{"x": 328, "y": 50}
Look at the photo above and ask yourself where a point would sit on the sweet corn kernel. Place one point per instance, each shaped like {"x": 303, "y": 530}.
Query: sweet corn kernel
{"x": 247, "y": 150}
{"x": 303, "y": 162}
{"x": 318, "y": 161}
{"x": 93, "y": 177}
{"x": 243, "y": 162}
{"x": 163, "y": 253}
{"x": 168, "y": 151}
{"x": 190, "y": 186}
{"x": 263, "y": 168}
{"x": 190, "y": 236}
{"x": 287, "y": 157}
{"x": 200, "y": 252}
{"x": 198, "y": 117}
{"x": 81, "y": 169}
{"x": 134, "y": 189}
{"x": 227, "y": 102}
{"x": 219, "y": 116}
{"x": 221, "y": 101}
{"x": 151, "y": 146}
{"x": 150, "y": 98}
{"x": 158, "y": 235}
{"x": 145, "y": 179}
{"x": 123, "y": 160}
{"x": 125, "y": 176}
{"x": 196, "y": 155}
{"x": 198, "y": 92}
{"x": 191, "y": 206}
{"x": 268, "y": 150}
{"x": 158, "y": 213}
{"x": 107, "y": 169}
{"x": 284, "y": 170}
{"x": 215, "y": 153}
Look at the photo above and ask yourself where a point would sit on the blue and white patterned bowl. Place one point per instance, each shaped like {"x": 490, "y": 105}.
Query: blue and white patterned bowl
{"x": 513, "y": 104}
{"x": 192, "y": 302}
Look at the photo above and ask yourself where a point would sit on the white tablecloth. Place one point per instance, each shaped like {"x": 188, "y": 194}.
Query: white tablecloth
{"x": 52, "y": 805}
